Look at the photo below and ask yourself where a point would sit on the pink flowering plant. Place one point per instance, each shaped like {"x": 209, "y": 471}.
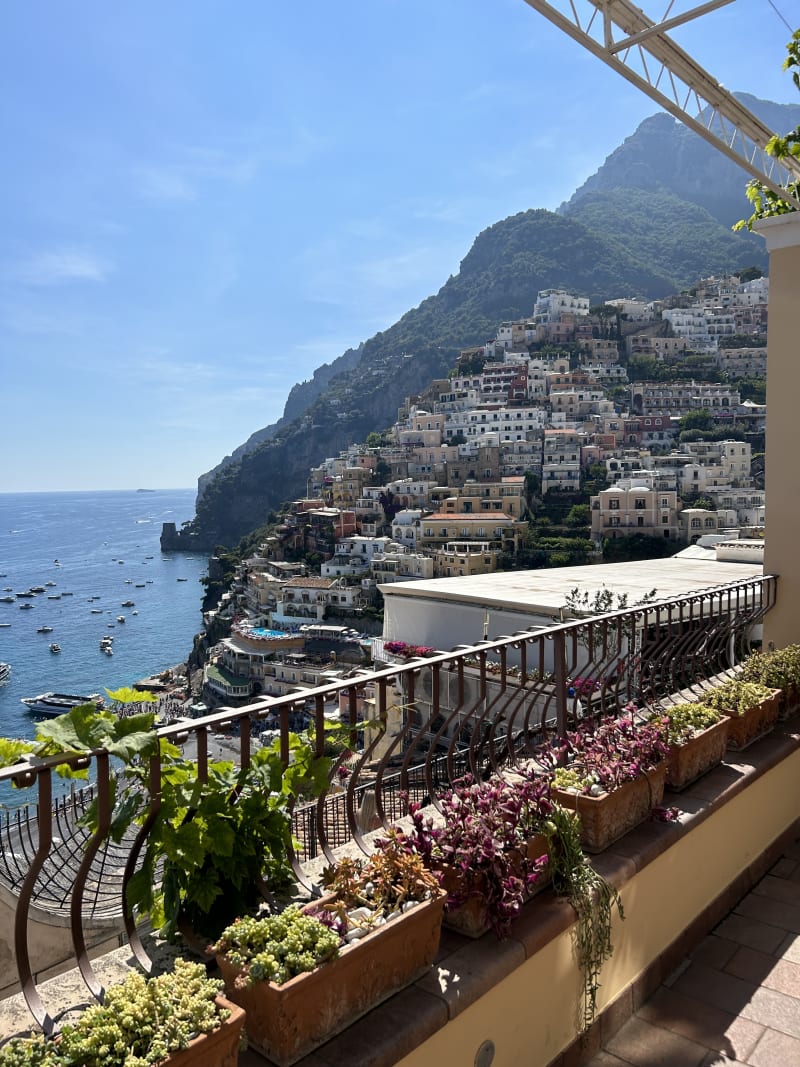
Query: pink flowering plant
{"x": 483, "y": 838}
{"x": 599, "y": 760}
{"x": 407, "y": 651}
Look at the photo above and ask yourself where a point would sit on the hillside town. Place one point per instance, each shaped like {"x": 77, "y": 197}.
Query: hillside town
{"x": 541, "y": 449}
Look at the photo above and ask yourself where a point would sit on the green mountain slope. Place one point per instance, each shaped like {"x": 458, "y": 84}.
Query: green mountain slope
{"x": 680, "y": 240}
{"x": 654, "y": 218}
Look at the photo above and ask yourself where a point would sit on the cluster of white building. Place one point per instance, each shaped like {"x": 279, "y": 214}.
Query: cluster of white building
{"x": 446, "y": 493}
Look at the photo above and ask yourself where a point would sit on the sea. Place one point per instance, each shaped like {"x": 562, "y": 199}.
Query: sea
{"x": 92, "y": 551}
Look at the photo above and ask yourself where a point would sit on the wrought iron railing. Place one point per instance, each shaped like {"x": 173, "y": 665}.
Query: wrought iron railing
{"x": 415, "y": 726}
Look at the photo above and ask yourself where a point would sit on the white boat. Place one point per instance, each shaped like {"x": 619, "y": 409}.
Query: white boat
{"x": 44, "y": 630}
{"x": 55, "y": 648}
{"x": 5, "y": 671}
{"x": 120, "y": 618}
{"x": 58, "y": 703}
{"x": 26, "y": 606}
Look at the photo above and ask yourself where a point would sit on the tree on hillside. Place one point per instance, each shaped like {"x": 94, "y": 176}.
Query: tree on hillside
{"x": 636, "y": 547}
{"x": 749, "y": 274}
{"x": 698, "y": 419}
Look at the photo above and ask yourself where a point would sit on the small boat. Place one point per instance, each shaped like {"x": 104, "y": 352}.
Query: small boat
{"x": 3, "y": 625}
{"x": 44, "y": 630}
{"x": 7, "y": 599}
{"x": 37, "y": 589}
{"x": 50, "y": 584}
{"x": 58, "y": 703}
{"x": 5, "y": 671}
{"x": 129, "y": 581}
{"x": 65, "y": 593}
{"x": 140, "y": 585}
{"x": 28, "y": 592}
{"x": 55, "y": 648}
{"x": 96, "y": 611}
{"x": 109, "y": 651}
{"x": 132, "y": 613}
{"x": 53, "y": 596}
{"x": 127, "y": 603}
{"x": 25, "y": 607}
{"x": 120, "y": 618}
{"x": 181, "y": 579}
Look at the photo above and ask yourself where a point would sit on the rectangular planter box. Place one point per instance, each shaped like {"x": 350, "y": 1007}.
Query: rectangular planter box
{"x": 606, "y": 818}
{"x": 744, "y": 730}
{"x": 470, "y": 917}
{"x": 695, "y": 757}
{"x": 286, "y": 1022}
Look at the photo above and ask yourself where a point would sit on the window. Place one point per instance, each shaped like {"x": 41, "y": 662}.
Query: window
{"x": 640, "y": 521}
{"x": 664, "y": 502}
{"x": 695, "y": 524}
{"x": 614, "y": 520}
{"x": 613, "y": 505}
{"x": 665, "y": 520}
{"x": 639, "y": 504}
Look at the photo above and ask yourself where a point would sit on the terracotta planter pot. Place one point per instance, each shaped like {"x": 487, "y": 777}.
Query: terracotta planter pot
{"x": 691, "y": 760}
{"x": 286, "y": 1022}
{"x": 470, "y": 918}
{"x": 606, "y": 818}
{"x": 744, "y": 730}
{"x": 220, "y": 1048}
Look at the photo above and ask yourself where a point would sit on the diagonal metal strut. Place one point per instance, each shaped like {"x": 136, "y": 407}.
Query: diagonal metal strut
{"x": 639, "y": 49}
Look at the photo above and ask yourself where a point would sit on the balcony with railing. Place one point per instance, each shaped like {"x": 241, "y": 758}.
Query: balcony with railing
{"x": 434, "y": 716}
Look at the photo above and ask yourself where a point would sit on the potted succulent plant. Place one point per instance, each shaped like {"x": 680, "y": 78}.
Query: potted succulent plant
{"x": 177, "y": 1019}
{"x": 751, "y": 707}
{"x": 777, "y": 668}
{"x": 488, "y": 847}
{"x": 304, "y": 976}
{"x": 697, "y": 735}
{"x": 612, "y": 775}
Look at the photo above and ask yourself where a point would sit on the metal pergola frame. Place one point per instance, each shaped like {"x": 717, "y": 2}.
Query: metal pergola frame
{"x": 639, "y": 49}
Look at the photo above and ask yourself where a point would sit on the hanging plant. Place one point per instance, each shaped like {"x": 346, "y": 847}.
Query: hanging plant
{"x": 593, "y": 899}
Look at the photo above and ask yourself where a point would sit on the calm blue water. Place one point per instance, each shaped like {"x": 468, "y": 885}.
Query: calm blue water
{"x": 102, "y": 541}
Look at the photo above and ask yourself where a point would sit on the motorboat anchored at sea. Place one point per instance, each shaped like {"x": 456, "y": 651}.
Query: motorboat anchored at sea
{"x": 57, "y": 703}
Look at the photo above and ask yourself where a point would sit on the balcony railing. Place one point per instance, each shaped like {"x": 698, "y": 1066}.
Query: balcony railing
{"x": 432, "y": 718}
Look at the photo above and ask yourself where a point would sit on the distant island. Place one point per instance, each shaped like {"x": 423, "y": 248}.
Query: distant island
{"x": 145, "y": 490}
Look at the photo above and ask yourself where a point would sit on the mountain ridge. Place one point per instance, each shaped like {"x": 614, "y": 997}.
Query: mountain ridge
{"x": 638, "y": 238}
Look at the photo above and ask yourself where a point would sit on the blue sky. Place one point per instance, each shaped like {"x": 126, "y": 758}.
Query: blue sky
{"x": 204, "y": 201}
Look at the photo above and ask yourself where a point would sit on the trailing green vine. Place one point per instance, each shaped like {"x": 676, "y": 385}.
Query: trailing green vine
{"x": 592, "y": 897}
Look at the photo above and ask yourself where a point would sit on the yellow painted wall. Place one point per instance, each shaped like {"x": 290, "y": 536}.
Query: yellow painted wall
{"x": 782, "y": 234}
